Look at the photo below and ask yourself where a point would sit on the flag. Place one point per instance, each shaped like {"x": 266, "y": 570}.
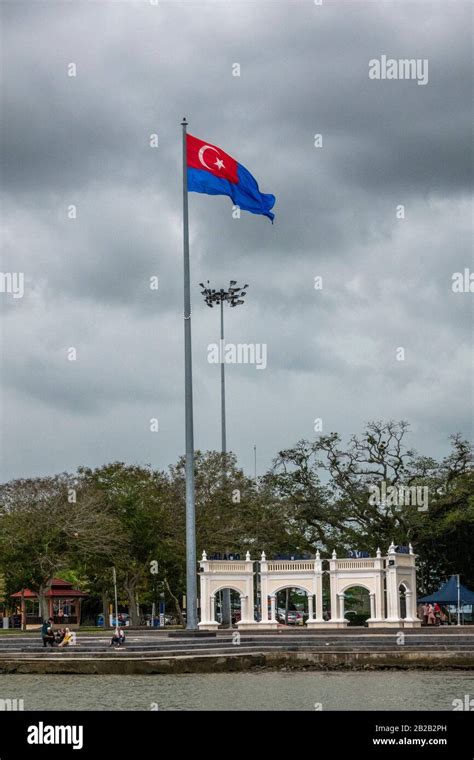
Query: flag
{"x": 212, "y": 171}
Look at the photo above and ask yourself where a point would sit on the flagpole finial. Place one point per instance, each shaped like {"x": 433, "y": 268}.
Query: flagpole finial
{"x": 184, "y": 122}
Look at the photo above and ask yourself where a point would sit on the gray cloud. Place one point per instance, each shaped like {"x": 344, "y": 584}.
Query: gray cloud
{"x": 331, "y": 353}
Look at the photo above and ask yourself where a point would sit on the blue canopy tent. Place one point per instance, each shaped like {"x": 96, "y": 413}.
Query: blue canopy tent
{"x": 451, "y": 592}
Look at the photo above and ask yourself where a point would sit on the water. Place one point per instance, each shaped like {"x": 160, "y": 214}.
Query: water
{"x": 380, "y": 690}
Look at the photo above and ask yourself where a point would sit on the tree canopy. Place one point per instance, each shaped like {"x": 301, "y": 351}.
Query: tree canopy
{"x": 318, "y": 494}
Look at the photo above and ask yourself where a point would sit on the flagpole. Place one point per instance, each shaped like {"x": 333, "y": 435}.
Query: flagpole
{"x": 191, "y": 567}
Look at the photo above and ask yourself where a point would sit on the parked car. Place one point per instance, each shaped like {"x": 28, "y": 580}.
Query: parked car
{"x": 294, "y": 617}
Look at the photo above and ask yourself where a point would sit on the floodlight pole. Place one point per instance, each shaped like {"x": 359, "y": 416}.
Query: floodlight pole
{"x": 226, "y": 610}
{"x": 222, "y": 354}
{"x": 212, "y": 297}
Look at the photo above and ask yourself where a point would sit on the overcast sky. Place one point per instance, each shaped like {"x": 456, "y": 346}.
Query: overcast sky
{"x": 332, "y": 353}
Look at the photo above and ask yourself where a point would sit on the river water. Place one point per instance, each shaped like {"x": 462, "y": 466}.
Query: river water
{"x": 379, "y": 690}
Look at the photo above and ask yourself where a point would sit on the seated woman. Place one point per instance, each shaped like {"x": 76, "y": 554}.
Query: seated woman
{"x": 67, "y": 639}
{"x": 118, "y": 638}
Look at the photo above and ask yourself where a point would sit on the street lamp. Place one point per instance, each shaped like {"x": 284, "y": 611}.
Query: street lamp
{"x": 234, "y": 296}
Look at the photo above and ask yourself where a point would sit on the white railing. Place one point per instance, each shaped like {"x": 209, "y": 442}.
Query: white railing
{"x": 290, "y": 566}
{"x": 355, "y": 564}
{"x": 227, "y": 567}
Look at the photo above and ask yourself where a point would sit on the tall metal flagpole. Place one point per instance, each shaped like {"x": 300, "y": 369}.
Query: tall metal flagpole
{"x": 191, "y": 568}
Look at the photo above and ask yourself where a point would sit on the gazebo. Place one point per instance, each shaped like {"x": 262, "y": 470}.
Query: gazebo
{"x": 64, "y": 603}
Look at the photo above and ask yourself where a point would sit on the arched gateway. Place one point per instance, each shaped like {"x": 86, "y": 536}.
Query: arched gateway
{"x": 382, "y": 577}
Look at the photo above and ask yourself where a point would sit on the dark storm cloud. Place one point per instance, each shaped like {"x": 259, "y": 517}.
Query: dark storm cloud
{"x": 84, "y": 140}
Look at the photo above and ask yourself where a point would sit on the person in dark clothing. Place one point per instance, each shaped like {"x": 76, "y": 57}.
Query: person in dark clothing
{"x": 118, "y": 638}
{"x": 47, "y": 633}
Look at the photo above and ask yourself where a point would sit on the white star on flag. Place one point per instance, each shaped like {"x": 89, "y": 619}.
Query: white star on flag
{"x": 220, "y": 164}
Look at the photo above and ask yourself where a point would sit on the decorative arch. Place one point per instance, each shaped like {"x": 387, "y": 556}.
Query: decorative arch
{"x": 216, "y": 575}
{"x": 237, "y": 589}
{"x": 300, "y": 586}
{"x": 355, "y": 584}
{"x": 304, "y": 574}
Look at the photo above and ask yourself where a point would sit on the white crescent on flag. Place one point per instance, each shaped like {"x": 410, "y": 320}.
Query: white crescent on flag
{"x": 202, "y": 150}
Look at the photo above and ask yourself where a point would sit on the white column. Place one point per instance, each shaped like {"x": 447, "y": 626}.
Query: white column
{"x": 379, "y": 589}
{"x": 212, "y": 615}
{"x": 333, "y": 585}
{"x": 264, "y": 607}
{"x": 310, "y": 607}
{"x": 203, "y": 593}
{"x": 393, "y": 601}
{"x": 243, "y": 608}
{"x": 319, "y": 596}
{"x": 319, "y": 604}
{"x": 341, "y": 606}
{"x": 264, "y": 587}
{"x": 409, "y": 605}
{"x": 272, "y": 608}
{"x": 392, "y": 595}
{"x": 318, "y": 586}
{"x": 372, "y": 605}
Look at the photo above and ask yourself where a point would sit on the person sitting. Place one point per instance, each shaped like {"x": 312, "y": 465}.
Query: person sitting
{"x": 60, "y": 635}
{"x": 431, "y": 615}
{"x": 67, "y": 639}
{"x": 443, "y": 618}
{"x": 48, "y": 633}
{"x": 118, "y": 638}
{"x": 426, "y": 612}
{"x": 115, "y": 640}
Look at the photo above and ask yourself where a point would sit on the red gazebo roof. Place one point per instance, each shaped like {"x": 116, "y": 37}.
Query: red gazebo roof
{"x": 57, "y": 588}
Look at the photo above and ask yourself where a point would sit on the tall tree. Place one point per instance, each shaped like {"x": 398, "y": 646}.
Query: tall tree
{"x": 48, "y": 525}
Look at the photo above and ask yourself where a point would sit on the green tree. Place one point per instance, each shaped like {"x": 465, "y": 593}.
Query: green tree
{"x": 49, "y": 525}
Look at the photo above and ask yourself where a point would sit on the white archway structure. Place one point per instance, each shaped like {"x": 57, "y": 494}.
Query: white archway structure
{"x": 347, "y": 573}
{"x": 276, "y": 575}
{"x": 401, "y": 570}
{"x": 381, "y": 576}
{"x": 219, "y": 574}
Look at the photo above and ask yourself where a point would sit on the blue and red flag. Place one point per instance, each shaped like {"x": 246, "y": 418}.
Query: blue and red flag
{"x": 211, "y": 170}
